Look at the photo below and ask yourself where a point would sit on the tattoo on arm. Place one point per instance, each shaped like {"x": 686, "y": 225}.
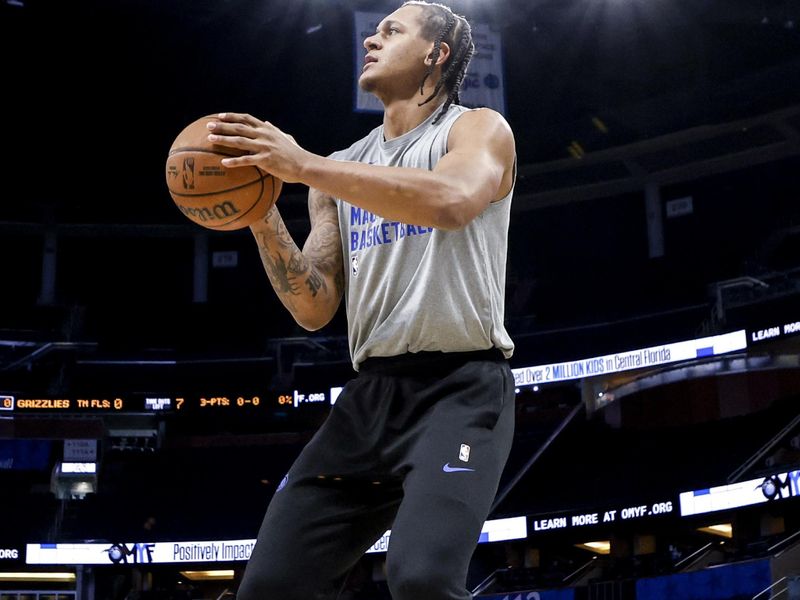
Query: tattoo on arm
{"x": 285, "y": 272}
{"x": 324, "y": 246}
{"x": 313, "y": 274}
{"x": 338, "y": 281}
{"x": 282, "y": 234}
{"x": 315, "y": 282}
{"x": 279, "y": 273}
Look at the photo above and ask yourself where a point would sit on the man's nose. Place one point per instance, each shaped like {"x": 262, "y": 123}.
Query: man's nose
{"x": 371, "y": 43}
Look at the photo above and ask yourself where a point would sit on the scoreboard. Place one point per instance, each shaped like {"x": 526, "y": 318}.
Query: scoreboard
{"x": 282, "y": 402}
{"x": 264, "y": 403}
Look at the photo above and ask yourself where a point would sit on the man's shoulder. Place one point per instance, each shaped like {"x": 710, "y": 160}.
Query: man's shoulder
{"x": 481, "y": 115}
{"x": 481, "y": 124}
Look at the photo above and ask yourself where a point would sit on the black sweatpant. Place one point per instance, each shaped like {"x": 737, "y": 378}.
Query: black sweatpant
{"x": 415, "y": 444}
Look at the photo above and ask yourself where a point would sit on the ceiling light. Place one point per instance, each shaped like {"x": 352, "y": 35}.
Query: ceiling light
{"x": 723, "y": 529}
{"x": 40, "y": 576}
{"x": 601, "y": 547}
{"x": 208, "y": 575}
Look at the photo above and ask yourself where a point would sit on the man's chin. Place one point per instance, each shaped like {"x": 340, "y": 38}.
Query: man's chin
{"x": 367, "y": 84}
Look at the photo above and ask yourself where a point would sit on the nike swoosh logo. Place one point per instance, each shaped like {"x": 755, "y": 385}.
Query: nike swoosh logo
{"x": 448, "y": 469}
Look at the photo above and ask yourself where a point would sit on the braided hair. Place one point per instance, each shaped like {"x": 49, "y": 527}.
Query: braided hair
{"x": 440, "y": 24}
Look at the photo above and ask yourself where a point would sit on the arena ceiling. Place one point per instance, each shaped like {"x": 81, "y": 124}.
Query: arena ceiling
{"x": 96, "y": 91}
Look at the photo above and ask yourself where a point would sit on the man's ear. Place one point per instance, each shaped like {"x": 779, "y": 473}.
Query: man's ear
{"x": 444, "y": 54}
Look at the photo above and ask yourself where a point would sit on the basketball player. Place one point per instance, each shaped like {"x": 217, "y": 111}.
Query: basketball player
{"x": 410, "y": 224}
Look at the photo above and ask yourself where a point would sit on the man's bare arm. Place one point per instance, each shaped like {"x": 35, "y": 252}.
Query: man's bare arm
{"x": 477, "y": 170}
{"x": 310, "y": 282}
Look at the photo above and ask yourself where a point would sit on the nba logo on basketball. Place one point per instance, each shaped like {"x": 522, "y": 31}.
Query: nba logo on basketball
{"x": 188, "y": 173}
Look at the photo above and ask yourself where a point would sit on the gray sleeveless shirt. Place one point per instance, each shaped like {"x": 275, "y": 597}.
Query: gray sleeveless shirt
{"x": 410, "y": 288}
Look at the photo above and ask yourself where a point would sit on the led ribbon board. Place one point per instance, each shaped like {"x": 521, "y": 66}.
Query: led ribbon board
{"x": 210, "y": 551}
{"x": 633, "y": 359}
{"x": 497, "y": 530}
{"x": 744, "y": 493}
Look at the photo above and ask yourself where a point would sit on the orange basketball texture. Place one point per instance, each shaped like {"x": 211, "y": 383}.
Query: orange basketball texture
{"x": 211, "y": 194}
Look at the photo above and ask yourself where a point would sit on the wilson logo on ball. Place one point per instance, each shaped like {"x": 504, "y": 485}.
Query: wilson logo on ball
{"x": 223, "y": 210}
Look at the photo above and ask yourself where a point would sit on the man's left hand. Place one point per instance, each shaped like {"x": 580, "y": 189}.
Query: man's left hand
{"x": 267, "y": 147}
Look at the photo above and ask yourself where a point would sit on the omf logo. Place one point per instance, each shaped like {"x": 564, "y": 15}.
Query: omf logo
{"x": 139, "y": 553}
{"x": 9, "y": 554}
{"x": 773, "y": 487}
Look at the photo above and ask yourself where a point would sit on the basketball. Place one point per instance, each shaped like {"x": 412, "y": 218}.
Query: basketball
{"x": 211, "y": 194}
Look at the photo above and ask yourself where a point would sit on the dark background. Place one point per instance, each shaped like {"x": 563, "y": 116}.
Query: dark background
{"x": 96, "y": 91}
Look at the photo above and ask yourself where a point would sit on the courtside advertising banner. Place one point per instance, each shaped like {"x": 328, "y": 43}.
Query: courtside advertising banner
{"x": 779, "y": 486}
{"x": 483, "y": 85}
{"x": 495, "y": 530}
{"x": 119, "y": 553}
{"x": 634, "y": 359}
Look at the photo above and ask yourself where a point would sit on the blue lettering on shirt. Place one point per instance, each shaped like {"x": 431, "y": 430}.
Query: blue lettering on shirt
{"x": 360, "y": 216}
{"x": 368, "y": 230}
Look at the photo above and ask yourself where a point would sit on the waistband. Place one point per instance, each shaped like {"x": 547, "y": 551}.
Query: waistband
{"x": 428, "y": 361}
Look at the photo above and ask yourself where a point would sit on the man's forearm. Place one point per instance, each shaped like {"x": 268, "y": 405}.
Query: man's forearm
{"x": 300, "y": 286}
{"x": 409, "y": 195}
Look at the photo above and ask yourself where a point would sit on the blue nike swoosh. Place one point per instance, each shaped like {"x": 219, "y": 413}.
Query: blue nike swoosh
{"x": 448, "y": 469}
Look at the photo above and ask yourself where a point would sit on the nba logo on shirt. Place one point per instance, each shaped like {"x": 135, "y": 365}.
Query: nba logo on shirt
{"x": 463, "y": 454}
{"x": 354, "y": 264}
